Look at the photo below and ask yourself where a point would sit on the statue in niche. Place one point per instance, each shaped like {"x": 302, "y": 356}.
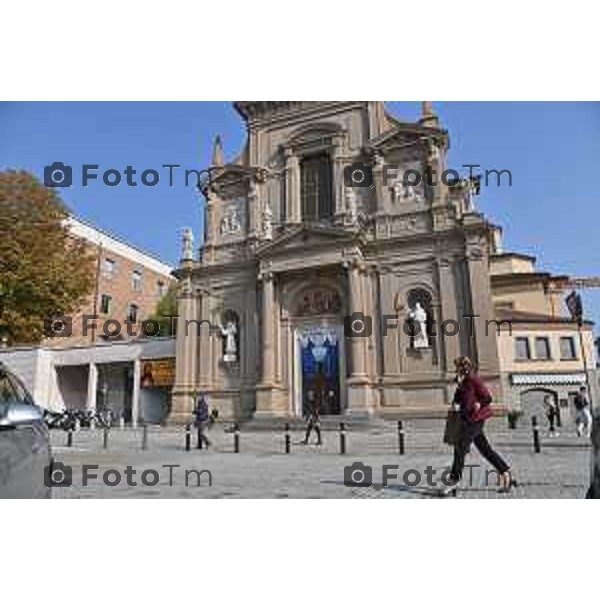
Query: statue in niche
{"x": 229, "y": 332}
{"x": 419, "y": 317}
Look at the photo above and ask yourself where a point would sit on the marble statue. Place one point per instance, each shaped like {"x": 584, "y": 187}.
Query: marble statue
{"x": 267, "y": 222}
{"x": 229, "y": 332}
{"x": 419, "y": 317}
{"x": 187, "y": 252}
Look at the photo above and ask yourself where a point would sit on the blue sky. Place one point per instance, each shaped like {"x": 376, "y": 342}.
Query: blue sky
{"x": 552, "y": 149}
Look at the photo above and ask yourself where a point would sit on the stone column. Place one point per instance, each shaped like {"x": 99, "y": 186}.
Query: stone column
{"x": 135, "y": 394}
{"x": 92, "y": 387}
{"x": 186, "y": 355}
{"x": 292, "y": 188}
{"x": 267, "y": 400}
{"x": 204, "y": 355}
{"x": 359, "y": 393}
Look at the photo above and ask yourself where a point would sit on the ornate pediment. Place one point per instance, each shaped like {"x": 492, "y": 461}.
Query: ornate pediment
{"x": 306, "y": 238}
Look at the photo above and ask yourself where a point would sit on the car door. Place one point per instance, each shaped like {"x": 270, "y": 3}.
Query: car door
{"x": 24, "y": 442}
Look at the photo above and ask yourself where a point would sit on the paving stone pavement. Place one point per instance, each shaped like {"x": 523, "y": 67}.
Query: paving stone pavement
{"x": 263, "y": 470}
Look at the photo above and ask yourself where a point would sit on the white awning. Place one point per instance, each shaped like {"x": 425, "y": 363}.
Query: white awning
{"x": 547, "y": 378}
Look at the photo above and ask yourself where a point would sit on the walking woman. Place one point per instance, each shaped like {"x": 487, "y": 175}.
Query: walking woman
{"x": 473, "y": 400}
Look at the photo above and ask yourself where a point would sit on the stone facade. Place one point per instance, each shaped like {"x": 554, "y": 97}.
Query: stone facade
{"x": 290, "y": 252}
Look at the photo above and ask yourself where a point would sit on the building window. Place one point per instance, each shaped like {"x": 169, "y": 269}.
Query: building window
{"x": 136, "y": 281}
{"x": 105, "y": 304}
{"x": 109, "y": 268}
{"x": 132, "y": 314}
{"x": 542, "y": 348}
{"x": 161, "y": 289}
{"x": 567, "y": 348}
{"x": 317, "y": 196}
{"x": 522, "y": 351}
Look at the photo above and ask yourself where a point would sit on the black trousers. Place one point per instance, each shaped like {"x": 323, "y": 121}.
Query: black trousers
{"x": 313, "y": 423}
{"x": 473, "y": 433}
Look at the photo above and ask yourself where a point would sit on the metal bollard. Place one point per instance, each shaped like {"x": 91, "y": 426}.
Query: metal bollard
{"x": 342, "y": 438}
{"x": 145, "y": 437}
{"x": 121, "y": 422}
{"x": 400, "y": 437}
{"x": 92, "y": 424}
{"x": 236, "y": 438}
{"x": 69, "y": 438}
{"x": 536, "y": 435}
{"x": 105, "y": 437}
{"x": 287, "y": 438}
{"x": 188, "y": 437}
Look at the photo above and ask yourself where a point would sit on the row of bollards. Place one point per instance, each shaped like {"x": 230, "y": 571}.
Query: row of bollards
{"x": 236, "y": 438}
{"x": 287, "y": 438}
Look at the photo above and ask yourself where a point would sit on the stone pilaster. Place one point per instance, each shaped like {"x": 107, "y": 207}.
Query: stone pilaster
{"x": 268, "y": 401}
{"x": 360, "y": 401}
{"x": 292, "y": 187}
{"x": 449, "y": 312}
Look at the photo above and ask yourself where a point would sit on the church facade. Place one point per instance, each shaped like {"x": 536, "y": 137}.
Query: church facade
{"x": 327, "y": 267}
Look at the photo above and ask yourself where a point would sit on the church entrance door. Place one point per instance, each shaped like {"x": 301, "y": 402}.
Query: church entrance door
{"x": 319, "y": 373}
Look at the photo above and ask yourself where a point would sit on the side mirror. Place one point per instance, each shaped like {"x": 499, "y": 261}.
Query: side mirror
{"x": 17, "y": 414}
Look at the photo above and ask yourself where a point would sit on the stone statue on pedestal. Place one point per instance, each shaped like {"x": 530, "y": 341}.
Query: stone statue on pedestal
{"x": 187, "y": 252}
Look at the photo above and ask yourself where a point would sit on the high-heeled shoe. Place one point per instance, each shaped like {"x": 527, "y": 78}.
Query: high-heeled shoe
{"x": 508, "y": 482}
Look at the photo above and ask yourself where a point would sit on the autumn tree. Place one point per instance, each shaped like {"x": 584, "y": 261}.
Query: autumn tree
{"x": 43, "y": 270}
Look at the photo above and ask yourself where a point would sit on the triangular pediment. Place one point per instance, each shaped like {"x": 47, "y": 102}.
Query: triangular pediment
{"x": 308, "y": 237}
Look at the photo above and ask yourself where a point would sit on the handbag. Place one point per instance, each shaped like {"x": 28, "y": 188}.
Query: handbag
{"x": 454, "y": 428}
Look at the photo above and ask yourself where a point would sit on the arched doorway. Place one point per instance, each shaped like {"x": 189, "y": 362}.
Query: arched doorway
{"x": 319, "y": 363}
{"x": 532, "y": 403}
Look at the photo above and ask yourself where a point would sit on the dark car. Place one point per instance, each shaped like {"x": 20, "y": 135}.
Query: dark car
{"x": 24, "y": 442}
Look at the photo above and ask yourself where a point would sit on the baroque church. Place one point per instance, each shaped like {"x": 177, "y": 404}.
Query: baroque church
{"x": 315, "y": 280}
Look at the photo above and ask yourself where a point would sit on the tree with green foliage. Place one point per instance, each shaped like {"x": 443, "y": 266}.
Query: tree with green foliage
{"x": 167, "y": 306}
{"x": 43, "y": 270}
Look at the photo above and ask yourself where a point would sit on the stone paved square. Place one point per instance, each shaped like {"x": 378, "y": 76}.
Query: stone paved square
{"x": 263, "y": 470}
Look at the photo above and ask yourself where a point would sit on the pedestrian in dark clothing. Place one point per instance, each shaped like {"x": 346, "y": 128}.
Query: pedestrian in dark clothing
{"x": 201, "y": 416}
{"x": 473, "y": 400}
{"x": 551, "y": 415}
{"x": 314, "y": 412}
